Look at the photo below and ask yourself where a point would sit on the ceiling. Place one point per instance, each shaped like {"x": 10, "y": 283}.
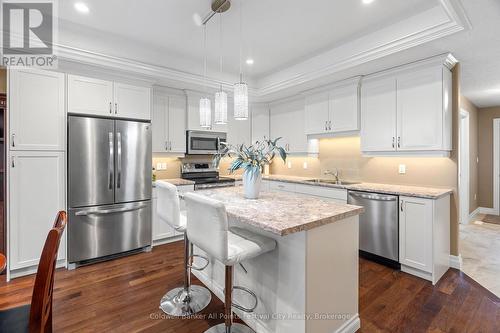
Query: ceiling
{"x": 289, "y": 39}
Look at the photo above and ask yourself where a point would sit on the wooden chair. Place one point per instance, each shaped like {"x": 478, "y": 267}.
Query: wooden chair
{"x": 37, "y": 316}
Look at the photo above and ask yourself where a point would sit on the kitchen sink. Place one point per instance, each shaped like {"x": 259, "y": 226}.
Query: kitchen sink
{"x": 332, "y": 181}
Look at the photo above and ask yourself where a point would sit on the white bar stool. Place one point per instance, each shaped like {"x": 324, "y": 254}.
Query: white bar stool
{"x": 188, "y": 299}
{"x": 208, "y": 229}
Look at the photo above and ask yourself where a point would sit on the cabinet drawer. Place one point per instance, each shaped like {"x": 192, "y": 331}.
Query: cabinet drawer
{"x": 281, "y": 186}
{"x": 338, "y": 194}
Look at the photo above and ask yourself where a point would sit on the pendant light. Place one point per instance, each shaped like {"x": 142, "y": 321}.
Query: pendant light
{"x": 241, "y": 88}
{"x": 220, "y": 96}
{"x": 205, "y": 104}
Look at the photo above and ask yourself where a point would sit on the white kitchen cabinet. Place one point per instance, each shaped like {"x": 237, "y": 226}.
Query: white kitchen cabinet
{"x": 408, "y": 109}
{"x": 90, "y": 96}
{"x": 108, "y": 99}
{"x": 36, "y": 193}
{"x": 424, "y": 236}
{"x": 287, "y": 122}
{"x": 238, "y": 131}
{"x": 37, "y": 110}
{"x": 169, "y": 124}
{"x": 317, "y": 113}
{"x": 193, "y": 115}
{"x": 378, "y": 115}
{"x": 259, "y": 121}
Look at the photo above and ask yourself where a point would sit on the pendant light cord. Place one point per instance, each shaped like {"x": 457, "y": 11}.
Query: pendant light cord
{"x": 205, "y": 57}
{"x": 221, "y": 47}
{"x": 241, "y": 40}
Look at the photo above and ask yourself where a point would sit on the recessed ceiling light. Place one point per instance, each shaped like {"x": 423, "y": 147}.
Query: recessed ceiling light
{"x": 81, "y": 7}
{"x": 249, "y": 61}
{"x": 367, "y": 2}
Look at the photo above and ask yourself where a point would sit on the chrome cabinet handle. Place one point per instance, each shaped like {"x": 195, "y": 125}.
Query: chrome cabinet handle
{"x": 330, "y": 125}
{"x": 119, "y": 159}
{"x": 110, "y": 161}
{"x": 393, "y": 142}
{"x": 13, "y": 162}
{"x": 170, "y": 145}
{"x": 166, "y": 145}
{"x": 13, "y": 140}
{"x": 326, "y": 125}
{"x": 116, "y": 108}
{"x": 402, "y": 202}
{"x": 110, "y": 108}
{"x": 399, "y": 142}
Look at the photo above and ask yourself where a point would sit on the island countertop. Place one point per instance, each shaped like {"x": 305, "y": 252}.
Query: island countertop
{"x": 281, "y": 213}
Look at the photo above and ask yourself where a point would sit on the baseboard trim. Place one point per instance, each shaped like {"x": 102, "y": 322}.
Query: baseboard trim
{"x": 488, "y": 211}
{"x": 350, "y": 326}
{"x": 472, "y": 216}
{"x": 456, "y": 261}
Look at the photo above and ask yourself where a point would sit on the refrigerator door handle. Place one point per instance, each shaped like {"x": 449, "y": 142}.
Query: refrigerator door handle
{"x": 110, "y": 162}
{"x": 119, "y": 159}
{"x": 109, "y": 211}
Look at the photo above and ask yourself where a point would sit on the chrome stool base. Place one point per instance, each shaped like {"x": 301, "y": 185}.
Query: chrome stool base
{"x": 178, "y": 303}
{"x": 234, "y": 328}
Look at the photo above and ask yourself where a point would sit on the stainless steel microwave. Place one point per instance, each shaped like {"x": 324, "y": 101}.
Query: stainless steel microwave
{"x": 204, "y": 142}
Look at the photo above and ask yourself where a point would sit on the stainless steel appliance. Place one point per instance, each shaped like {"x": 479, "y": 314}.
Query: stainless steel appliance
{"x": 109, "y": 187}
{"x": 204, "y": 176}
{"x": 204, "y": 142}
{"x": 378, "y": 226}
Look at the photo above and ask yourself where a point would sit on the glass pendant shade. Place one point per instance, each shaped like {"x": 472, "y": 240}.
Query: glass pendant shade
{"x": 205, "y": 113}
{"x": 220, "y": 108}
{"x": 240, "y": 101}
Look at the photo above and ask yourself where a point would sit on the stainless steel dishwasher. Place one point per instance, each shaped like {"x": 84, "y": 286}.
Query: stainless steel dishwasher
{"x": 378, "y": 226}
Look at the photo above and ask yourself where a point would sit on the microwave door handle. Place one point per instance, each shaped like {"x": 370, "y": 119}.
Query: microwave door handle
{"x": 119, "y": 159}
{"x": 110, "y": 161}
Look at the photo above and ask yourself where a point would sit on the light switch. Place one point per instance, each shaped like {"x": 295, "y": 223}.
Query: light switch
{"x": 158, "y": 166}
{"x": 304, "y": 165}
{"x": 402, "y": 169}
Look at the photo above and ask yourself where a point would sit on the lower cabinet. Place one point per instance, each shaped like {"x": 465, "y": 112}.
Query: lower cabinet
{"x": 36, "y": 193}
{"x": 162, "y": 232}
{"x": 424, "y": 236}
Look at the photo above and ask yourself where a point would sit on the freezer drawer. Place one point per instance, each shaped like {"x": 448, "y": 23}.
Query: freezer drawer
{"x": 106, "y": 230}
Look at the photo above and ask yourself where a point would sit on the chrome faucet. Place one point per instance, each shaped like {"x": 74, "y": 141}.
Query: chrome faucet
{"x": 334, "y": 174}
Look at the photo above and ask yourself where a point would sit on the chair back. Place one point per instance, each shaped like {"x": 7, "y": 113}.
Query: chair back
{"x": 41, "y": 301}
{"x": 207, "y": 225}
{"x": 168, "y": 206}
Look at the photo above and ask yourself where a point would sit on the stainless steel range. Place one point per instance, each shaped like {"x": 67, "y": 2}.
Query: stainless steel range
{"x": 204, "y": 176}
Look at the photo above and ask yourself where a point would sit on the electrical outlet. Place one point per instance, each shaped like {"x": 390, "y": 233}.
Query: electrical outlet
{"x": 304, "y": 165}
{"x": 402, "y": 169}
{"x": 164, "y": 166}
{"x": 289, "y": 164}
{"x": 158, "y": 166}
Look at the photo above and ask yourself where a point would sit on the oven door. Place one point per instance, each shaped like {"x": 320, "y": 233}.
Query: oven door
{"x": 204, "y": 143}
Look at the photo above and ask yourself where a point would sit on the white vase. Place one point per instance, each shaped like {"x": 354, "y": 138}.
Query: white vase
{"x": 251, "y": 184}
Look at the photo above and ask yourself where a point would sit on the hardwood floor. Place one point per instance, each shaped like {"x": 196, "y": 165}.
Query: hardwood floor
{"x": 123, "y": 296}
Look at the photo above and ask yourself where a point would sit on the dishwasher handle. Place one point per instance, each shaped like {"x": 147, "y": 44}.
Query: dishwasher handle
{"x": 373, "y": 196}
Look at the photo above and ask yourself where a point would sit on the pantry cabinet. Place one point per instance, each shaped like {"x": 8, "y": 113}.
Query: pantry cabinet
{"x": 37, "y": 111}
{"x": 408, "y": 109}
{"x": 97, "y": 97}
{"x": 169, "y": 124}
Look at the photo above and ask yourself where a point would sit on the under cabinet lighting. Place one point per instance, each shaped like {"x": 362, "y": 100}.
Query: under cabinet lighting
{"x": 81, "y": 7}
{"x": 367, "y": 2}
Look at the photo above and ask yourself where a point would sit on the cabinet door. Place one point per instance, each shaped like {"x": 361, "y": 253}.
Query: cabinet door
{"x": 132, "y": 102}
{"x": 33, "y": 204}
{"x": 260, "y": 122}
{"x": 344, "y": 110}
{"x": 37, "y": 111}
{"x": 238, "y": 131}
{"x": 161, "y": 229}
{"x": 177, "y": 124}
{"x": 420, "y": 110}
{"x": 90, "y": 96}
{"x": 316, "y": 114}
{"x": 415, "y": 233}
{"x": 287, "y": 121}
{"x": 159, "y": 124}
{"x": 378, "y": 115}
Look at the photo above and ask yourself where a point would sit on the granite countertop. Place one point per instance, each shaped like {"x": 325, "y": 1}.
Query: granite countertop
{"x": 405, "y": 190}
{"x": 281, "y": 213}
{"x": 176, "y": 181}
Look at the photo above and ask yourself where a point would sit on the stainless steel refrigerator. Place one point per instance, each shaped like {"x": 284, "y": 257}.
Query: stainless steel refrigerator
{"x": 109, "y": 187}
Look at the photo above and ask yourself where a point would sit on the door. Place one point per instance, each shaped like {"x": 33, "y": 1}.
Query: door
{"x": 37, "y": 112}
{"x": 415, "y": 233}
{"x": 316, "y": 114}
{"x": 420, "y": 110}
{"x": 133, "y": 164}
{"x": 378, "y": 115}
{"x": 132, "y": 101}
{"x": 159, "y": 123}
{"x": 91, "y": 161}
{"x": 344, "y": 110}
{"x": 90, "y": 96}
{"x": 177, "y": 124}
{"x": 36, "y": 194}
{"x": 106, "y": 230}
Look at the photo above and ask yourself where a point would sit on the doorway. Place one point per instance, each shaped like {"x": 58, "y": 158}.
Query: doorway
{"x": 463, "y": 167}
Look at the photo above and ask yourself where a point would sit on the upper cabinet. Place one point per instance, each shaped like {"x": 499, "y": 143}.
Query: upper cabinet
{"x": 333, "y": 110}
{"x": 259, "y": 122}
{"x": 169, "y": 123}
{"x": 238, "y": 131}
{"x": 408, "y": 109}
{"x": 109, "y": 99}
{"x": 37, "y": 110}
{"x": 193, "y": 113}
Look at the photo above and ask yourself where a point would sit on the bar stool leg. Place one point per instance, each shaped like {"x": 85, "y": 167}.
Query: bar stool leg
{"x": 228, "y": 326}
{"x": 188, "y": 299}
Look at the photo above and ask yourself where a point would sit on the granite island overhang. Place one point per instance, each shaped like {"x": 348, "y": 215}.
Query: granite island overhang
{"x": 309, "y": 283}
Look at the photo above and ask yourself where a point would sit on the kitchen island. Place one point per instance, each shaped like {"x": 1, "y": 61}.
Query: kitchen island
{"x": 309, "y": 283}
